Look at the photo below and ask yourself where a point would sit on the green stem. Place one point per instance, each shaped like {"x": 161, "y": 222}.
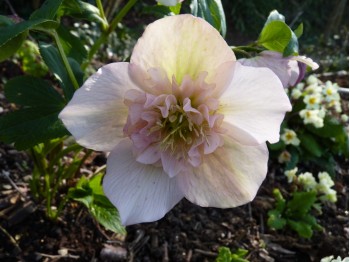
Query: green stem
{"x": 121, "y": 14}
{"x": 102, "y": 14}
{"x": 105, "y": 34}
{"x": 65, "y": 60}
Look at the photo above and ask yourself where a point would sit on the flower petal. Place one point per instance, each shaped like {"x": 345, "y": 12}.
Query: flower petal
{"x": 181, "y": 45}
{"x": 96, "y": 114}
{"x": 286, "y": 69}
{"x": 255, "y": 103}
{"x": 229, "y": 177}
{"x": 142, "y": 193}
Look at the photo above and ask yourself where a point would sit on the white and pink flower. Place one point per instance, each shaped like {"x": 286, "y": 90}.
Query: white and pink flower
{"x": 182, "y": 119}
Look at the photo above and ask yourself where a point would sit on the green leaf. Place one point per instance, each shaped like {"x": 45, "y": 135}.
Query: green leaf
{"x": 299, "y": 30}
{"x": 38, "y": 120}
{"x": 274, "y": 16}
{"x": 82, "y": 10}
{"x": 300, "y": 204}
{"x": 32, "y": 92}
{"x": 90, "y": 193}
{"x": 176, "y": 9}
{"x": 331, "y": 128}
{"x": 212, "y": 11}
{"x": 12, "y": 31}
{"x": 275, "y": 36}
{"x": 13, "y": 35}
{"x": 292, "y": 48}
{"x": 303, "y": 229}
{"x": 277, "y": 146}
{"x": 224, "y": 255}
{"x": 48, "y": 10}
{"x": 72, "y": 45}
{"x": 294, "y": 160}
{"x": 275, "y": 220}
{"x": 309, "y": 143}
{"x": 54, "y": 61}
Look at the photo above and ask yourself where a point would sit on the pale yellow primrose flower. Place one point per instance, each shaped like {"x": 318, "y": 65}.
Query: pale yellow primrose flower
{"x": 312, "y": 101}
{"x": 324, "y": 186}
{"x": 314, "y": 117}
{"x": 312, "y": 79}
{"x": 344, "y": 118}
{"x": 296, "y": 93}
{"x": 291, "y": 174}
{"x": 182, "y": 119}
{"x": 307, "y": 180}
{"x": 289, "y": 137}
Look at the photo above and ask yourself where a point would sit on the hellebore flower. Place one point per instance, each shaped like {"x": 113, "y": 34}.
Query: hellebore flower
{"x": 290, "y": 70}
{"x": 182, "y": 119}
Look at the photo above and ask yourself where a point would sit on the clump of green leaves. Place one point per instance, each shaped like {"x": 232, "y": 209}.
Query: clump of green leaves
{"x": 295, "y": 213}
{"x": 225, "y": 255}
{"x": 90, "y": 193}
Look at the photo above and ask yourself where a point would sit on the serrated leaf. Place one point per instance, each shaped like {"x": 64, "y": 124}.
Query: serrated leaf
{"x": 274, "y": 16}
{"x": 224, "y": 255}
{"x": 38, "y": 120}
{"x": 212, "y": 11}
{"x": 30, "y": 126}
{"x": 275, "y": 36}
{"x": 13, "y": 35}
{"x": 47, "y": 10}
{"x": 71, "y": 44}
{"x": 303, "y": 229}
{"x": 300, "y": 204}
{"x": 90, "y": 193}
{"x": 299, "y": 30}
{"x": 275, "y": 220}
{"x": 54, "y": 61}
{"x": 309, "y": 143}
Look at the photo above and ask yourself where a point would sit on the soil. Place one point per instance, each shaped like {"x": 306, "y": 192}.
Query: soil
{"x": 187, "y": 233}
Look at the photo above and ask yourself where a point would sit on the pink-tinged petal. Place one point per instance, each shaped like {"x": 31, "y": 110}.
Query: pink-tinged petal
{"x": 172, "y": 164}
{"x": 150, "y": 155}
{"x": 255, "y": 103}
{"x": 287, "y": 70}
{"x": 181, "y": 45}
{"x": 97, "y": 114}
{"x": 229, "y": 177}
{"x": 142, "y": 193}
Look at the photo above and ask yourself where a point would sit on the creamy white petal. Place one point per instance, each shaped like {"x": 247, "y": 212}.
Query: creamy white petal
{"x": 255, "y": 103}
{"x": 181, "y": 45}
{"x": 96, "y": 114}
{"x": 142, "y": 193}
{"x": 229, "y": 177}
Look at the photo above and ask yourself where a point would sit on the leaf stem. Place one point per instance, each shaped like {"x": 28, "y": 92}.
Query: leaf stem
{"x": 65, "y": 60}
{"x": 102, "y": 14}
{"x": 105, "y": 34}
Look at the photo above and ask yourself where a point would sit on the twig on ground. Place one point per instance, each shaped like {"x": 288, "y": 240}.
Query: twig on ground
{"x": 12, "y": 240}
